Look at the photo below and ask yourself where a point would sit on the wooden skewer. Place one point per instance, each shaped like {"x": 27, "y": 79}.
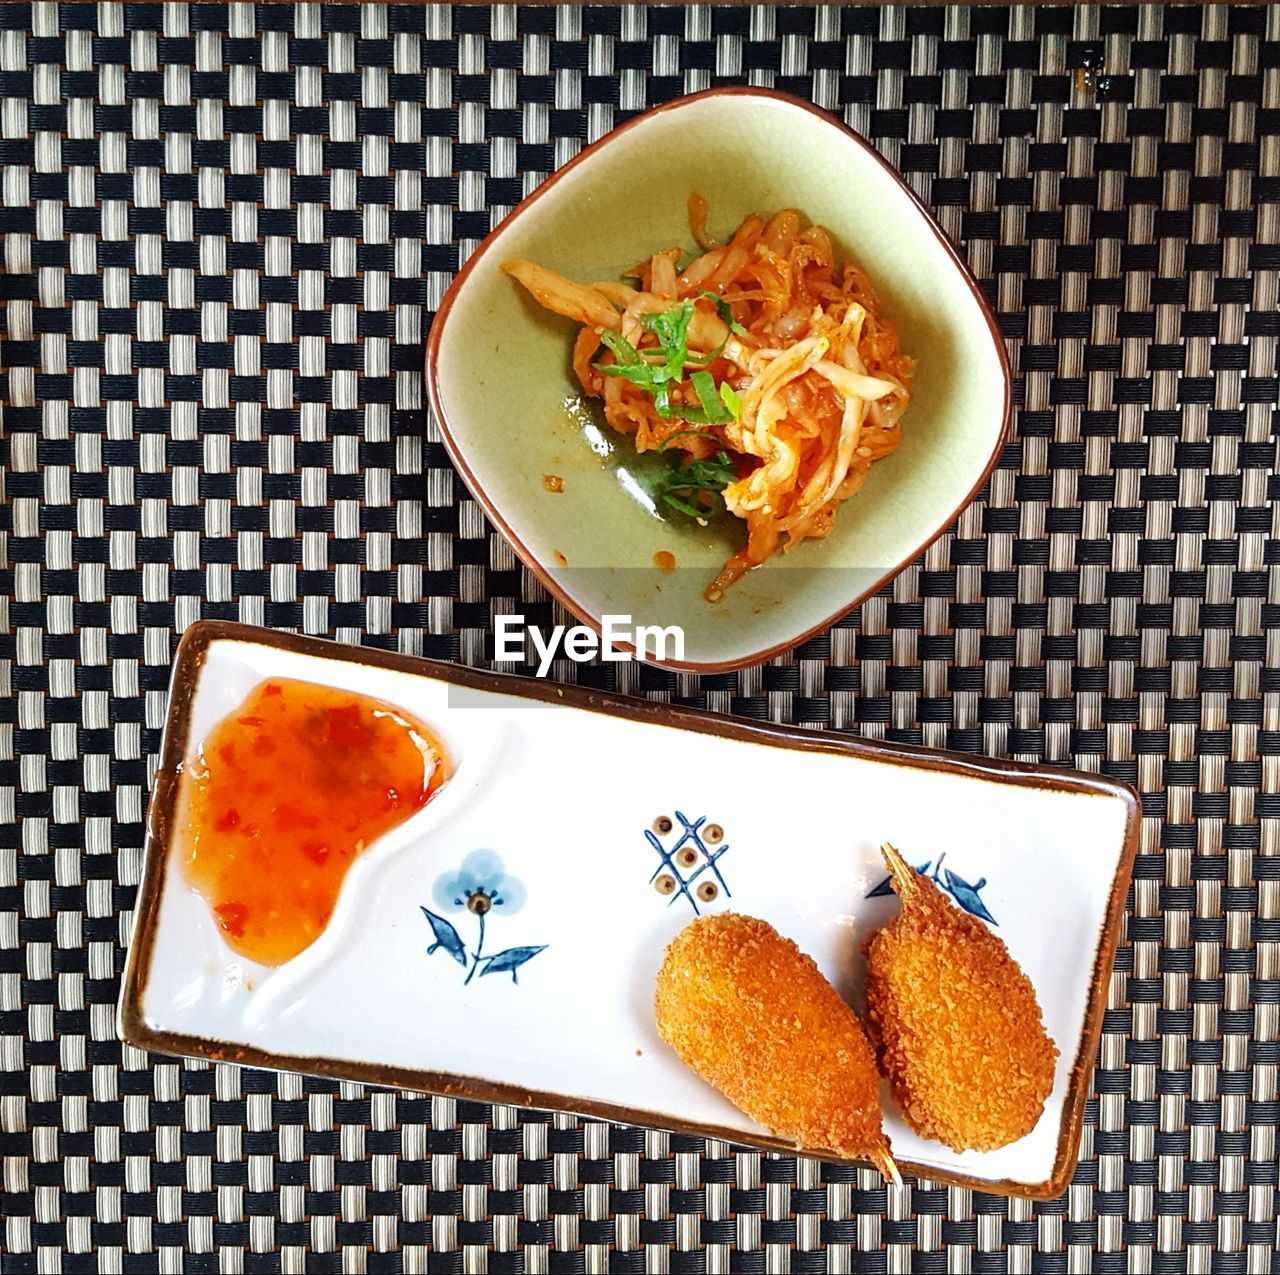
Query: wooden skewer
{"x": 906, "y": 880}
{"x": 885, "y": 1163}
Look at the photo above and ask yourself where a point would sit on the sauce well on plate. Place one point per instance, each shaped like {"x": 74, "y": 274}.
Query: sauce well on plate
{"x": 284, "y": 794}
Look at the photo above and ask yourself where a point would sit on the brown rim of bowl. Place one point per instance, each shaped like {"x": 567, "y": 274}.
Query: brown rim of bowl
{"x": 189, "y": 661}
{"x": 494, "y": 515}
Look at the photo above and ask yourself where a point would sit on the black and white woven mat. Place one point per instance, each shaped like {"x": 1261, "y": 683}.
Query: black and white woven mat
{"x": 225, "y": 230}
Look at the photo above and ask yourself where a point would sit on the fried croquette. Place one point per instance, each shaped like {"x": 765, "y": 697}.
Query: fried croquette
{"x": 961, "y": 1037}
{"x": 752, "y": 1015}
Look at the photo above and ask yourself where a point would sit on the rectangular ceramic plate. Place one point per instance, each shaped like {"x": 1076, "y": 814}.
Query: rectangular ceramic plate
{"x": 573, "y": 792}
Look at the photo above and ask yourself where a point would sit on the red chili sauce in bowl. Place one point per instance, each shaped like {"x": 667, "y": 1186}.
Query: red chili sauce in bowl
{"x": 284, "y": 794}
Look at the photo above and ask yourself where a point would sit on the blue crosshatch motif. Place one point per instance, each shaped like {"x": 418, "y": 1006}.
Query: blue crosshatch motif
{"x": 689, "y": 860}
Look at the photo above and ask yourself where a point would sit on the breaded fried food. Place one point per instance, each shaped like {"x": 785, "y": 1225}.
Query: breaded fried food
{"x": 962, "y": 1040}
{"x": 753, "y": 1016}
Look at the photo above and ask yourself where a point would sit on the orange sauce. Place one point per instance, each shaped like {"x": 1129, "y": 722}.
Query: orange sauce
{"x": 284, "y": 795}
{"x": 664, "y": 561}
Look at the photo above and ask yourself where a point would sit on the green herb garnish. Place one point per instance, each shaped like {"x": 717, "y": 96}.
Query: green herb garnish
{"x": 626, "y": 353}
{"x": 694, "y": 489}
{"x": 714, "y": 411}
{"x": 687, "y": 433}
{"x": 671, "y": 327}
{"x": 658, "y": 370}
{"x": 722, "y": 309}
{"x": 719, "y": 405}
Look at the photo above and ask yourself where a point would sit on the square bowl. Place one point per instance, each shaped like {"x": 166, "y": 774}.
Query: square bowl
{"x": 503, "y": 391}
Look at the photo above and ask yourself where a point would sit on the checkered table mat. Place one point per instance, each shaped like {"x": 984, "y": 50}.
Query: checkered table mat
{"x": 225, "y": 231}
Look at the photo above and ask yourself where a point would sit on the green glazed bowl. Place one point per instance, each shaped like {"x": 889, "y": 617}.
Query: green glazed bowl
{"x": 504, "y": 394}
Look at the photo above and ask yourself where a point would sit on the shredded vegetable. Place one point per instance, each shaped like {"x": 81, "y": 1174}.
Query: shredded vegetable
{"x": 764, "y": 361}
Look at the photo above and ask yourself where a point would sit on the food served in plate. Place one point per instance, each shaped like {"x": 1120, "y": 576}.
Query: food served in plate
{"x": 764, "y": 366}
{"x": 960, "y": 1032}
{"x": 368, "y": 1002}
{"x": 956, "y": 1026}
{"x": 752, "y": 1015}
{"x": 284, "y": 794}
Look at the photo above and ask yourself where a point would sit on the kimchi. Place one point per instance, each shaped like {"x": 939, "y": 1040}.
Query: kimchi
{"x": 763, "y": 365}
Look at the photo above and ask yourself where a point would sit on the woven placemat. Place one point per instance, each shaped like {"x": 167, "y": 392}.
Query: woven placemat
{"x": 225, "y": 231}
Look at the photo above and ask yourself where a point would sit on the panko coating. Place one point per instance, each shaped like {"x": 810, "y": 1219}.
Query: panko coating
{"x": 961, "y": 1036}
{"x": 753, "y": 1016}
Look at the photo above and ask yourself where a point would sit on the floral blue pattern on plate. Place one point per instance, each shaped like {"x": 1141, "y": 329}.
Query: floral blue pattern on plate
{"x": 557, "y": 781}
{"x": 966, "y": 895}
{"x": 479, "y": 886}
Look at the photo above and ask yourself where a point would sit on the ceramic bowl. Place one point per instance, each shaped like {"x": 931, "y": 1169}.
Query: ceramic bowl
{"x": 594, "y": 871}
{"x": 500, "y": 381}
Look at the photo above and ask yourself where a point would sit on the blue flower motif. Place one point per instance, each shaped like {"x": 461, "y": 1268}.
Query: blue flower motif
{"x": 479, "y": 885}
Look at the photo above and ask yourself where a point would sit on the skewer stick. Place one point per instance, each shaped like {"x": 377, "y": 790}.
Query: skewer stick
{"x": 905, "y": 878}
{"x": 888, "y": 1169}
{"x": 905, "y": 882}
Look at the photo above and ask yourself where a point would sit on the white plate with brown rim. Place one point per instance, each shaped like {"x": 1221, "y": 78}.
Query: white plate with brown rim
{"x": 595, "y": 827}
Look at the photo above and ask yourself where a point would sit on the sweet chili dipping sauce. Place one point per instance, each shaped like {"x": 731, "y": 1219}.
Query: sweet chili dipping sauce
{"x": 283, "y": 796}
